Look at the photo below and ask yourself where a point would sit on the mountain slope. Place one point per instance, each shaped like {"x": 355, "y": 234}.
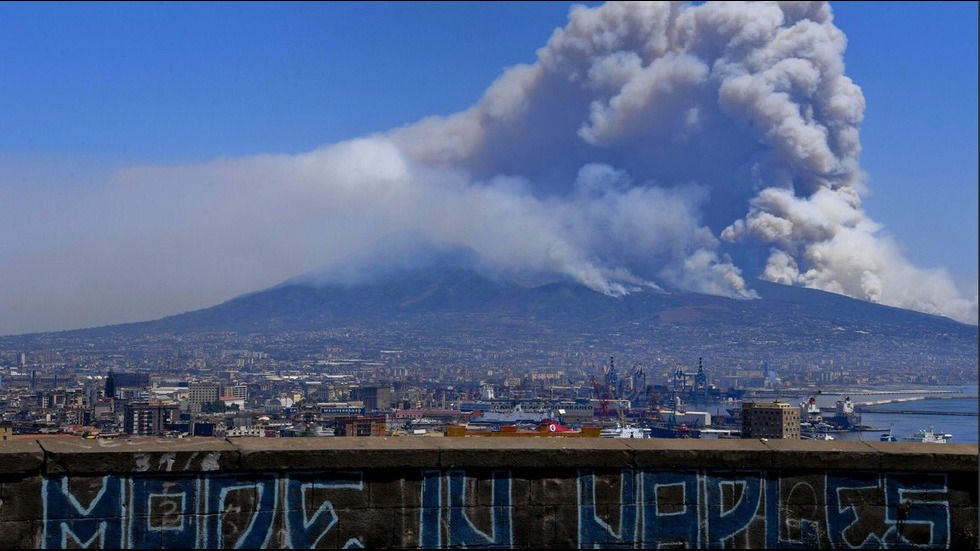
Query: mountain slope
{"x": 298, "y": 306}
{"x": 457, "y": 312}
{"x": 450, "y": 292}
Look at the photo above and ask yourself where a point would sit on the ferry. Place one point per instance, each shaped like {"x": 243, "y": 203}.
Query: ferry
{"x": 519, "y": 414}
{"x": 546, "y": 428}
{"x": 929, "y": 436}
{"x": 628, "y": 431}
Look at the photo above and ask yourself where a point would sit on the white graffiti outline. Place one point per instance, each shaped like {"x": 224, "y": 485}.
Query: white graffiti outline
{"x": 493, "y": 499}
{"x": 427, "y": 476}
{"x": 741, "y": 496}
{"x": 932, "y": 525}
{"x": 618, "y": 534}
{"x": 326, "y": 505}
{"x": 840, "y": 509}
{"x": 161, "y": 528}
{"x": 63, "y": 525}
{"x": 656, "y": 498}
{"x": 259, "y": 486}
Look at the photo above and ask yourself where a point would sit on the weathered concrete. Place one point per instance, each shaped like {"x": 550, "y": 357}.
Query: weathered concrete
{"x": 910, "y": 456}
{"x": 544, "y": 453}
{"x": 834, "y": 454}
{"x": 20, "y": 457}
{"x": 336, "y": 453}
{"x": 649, "y": 453}
{"x": 138, "y": 455}
{"x": 482, "y": 492}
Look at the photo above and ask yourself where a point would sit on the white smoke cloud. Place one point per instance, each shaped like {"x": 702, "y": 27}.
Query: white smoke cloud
{"x": 651, "y": 144}
{"x": 749, "y": 101}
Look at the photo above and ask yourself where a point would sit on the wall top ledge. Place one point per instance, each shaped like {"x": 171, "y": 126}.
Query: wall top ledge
{"x": 73, "y": 455}
{"x": 20, "y": 457}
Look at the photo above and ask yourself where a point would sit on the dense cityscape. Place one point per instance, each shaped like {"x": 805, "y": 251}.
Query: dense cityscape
{"x": 350, "y": 382}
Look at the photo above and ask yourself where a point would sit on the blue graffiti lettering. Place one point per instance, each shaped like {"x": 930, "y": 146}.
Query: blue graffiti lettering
{"x": 809, "y": 529}
{"x": 902, "y": 508}
{"x": 593, "y": 532}
{"x": 255, "y": 527}
{"x": 164, "y": 513}
{"x": 462, "y": 531}
{"x": 666, "y": 527}
{"x": 430, "y": 519}
{"x": 67, "y": 520}
{"x": 840, "y": 517}
{"x": 305, "y": 530}
{"x": 722, "y": 523}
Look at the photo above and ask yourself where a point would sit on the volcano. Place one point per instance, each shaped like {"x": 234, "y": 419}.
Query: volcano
{"x": 443, "y": 296}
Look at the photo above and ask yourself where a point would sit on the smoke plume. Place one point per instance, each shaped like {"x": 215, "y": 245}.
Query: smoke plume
{"x": 658, "y": 145}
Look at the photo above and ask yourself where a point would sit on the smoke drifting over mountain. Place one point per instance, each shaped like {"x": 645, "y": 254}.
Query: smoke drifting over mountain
{"x": 651, "y": 144}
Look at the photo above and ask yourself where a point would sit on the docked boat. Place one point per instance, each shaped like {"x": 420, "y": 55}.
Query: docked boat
{"x": 546, "y": 428}
{"x": 718, "y": 433}
{"x": 888, "y": 437}
{"x": 519, "y": 414}
{"x": 929, "y": 436}
{"x": 809, "y": 411}
{"x": 628, "y": 431}
{"x": 673, "y": 431}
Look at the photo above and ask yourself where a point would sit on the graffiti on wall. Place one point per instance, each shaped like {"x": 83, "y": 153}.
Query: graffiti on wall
{"x": 458, "y": 508}
{"x": 756, "y": 509}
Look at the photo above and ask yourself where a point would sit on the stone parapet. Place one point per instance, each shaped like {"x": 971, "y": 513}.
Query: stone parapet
{"x": 485, "y": 492}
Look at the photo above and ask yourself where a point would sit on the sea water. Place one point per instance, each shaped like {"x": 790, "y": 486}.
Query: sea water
{"x": 963, "y": 428}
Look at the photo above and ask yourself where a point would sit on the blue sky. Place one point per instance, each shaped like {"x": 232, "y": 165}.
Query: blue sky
{"x": 917, "y": 66}
{"x": 176, "y": 82}
{"x": 86, "y": 89}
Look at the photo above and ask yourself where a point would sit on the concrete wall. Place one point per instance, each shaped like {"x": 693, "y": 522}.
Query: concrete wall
{"x": 482, "y": 492}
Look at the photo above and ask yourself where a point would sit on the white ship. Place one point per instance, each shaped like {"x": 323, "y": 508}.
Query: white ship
{"x": 520, "y": 414}
{"x": 628, "y": 431}
{"x": 929, "y": 436}
{"x": 809, "y": 411}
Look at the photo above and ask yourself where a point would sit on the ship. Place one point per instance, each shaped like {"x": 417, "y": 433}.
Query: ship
{"x": 547, "y": 428}
{"x": 677, "y": 423}
{"x": 845, "y": 417}
{"x": 628, "y": 431}
{"x": 674, "y": 431}
{"x": 809, "y": 411}
{"x": 929, "y": 436}
{"x": 519, "y": 414}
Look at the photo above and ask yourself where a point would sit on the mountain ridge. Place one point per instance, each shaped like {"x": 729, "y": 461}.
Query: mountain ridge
{"x": 456, "y": 290}
{"x": 452, "y": 313}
